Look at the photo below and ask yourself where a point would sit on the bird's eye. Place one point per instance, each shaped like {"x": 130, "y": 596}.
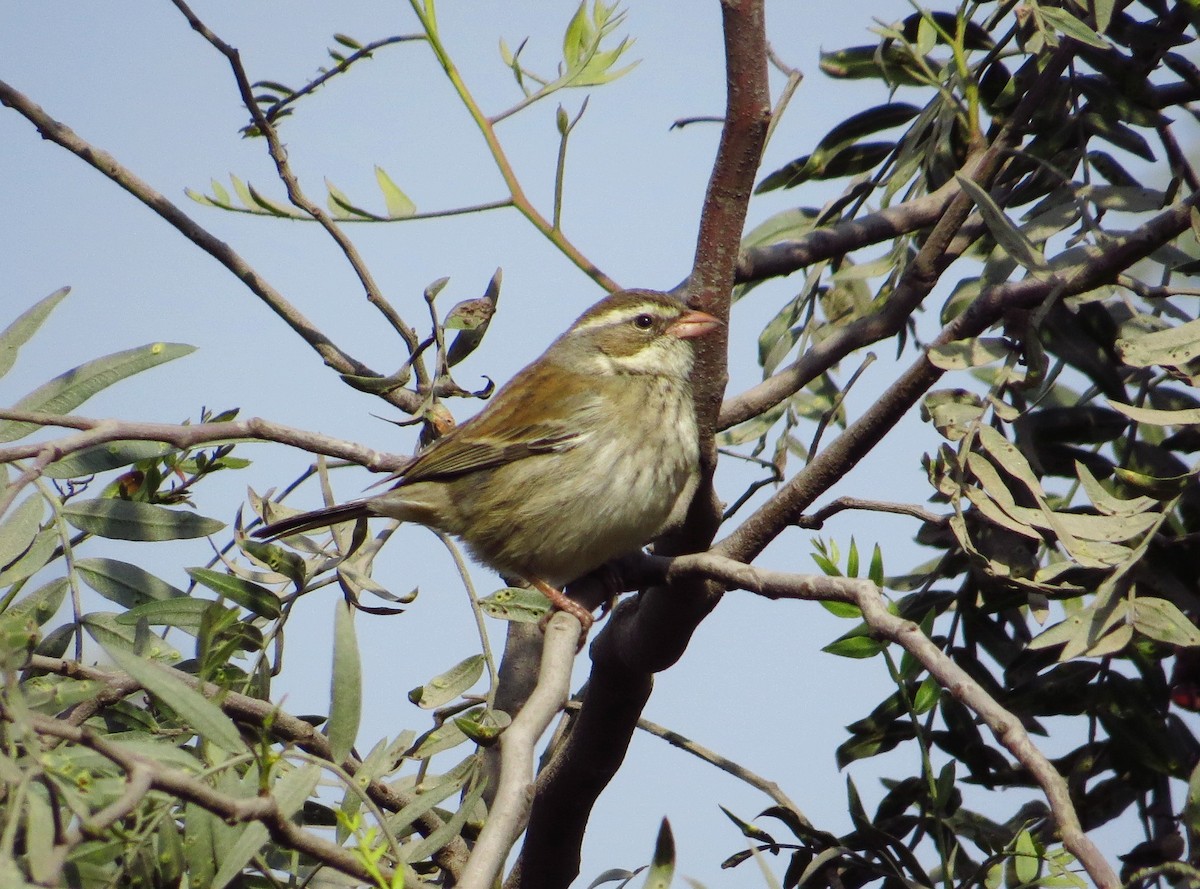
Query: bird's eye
{"x": 643, "y": 321}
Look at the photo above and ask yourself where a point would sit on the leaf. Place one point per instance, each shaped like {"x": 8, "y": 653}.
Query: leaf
{"x": 42, "y": 604}
{"x": 447, "y": 686}
{"x": 1063, "y": 21}
{"x": 25, "y": 326}
{"x": 973, "y": 352}
{"x": 71, "y": 389}
{"x": 185, "y": 614}
{"x": 201, "y": 714}
{"x": 515, "y": 604}
{"x": 33, "y": 559}
{"x": 104, "y": 457}
{"x": 124, "y": 583}
{"x": 345, "y": 689}
{"x": 129, "y": 520}
{"x": 662, "y": 866}
{"x": 854, "y": 646}
{"x": 1155, "y": 417}
{"x": 399, "y": 205}
{"x": 1162, "y": 620}
{"x": 20, "y": 529}
{"x": 290, "y": 792}
{"x": 1173, "y": 347}
{"x": 251, "y": 596}
{"x": 1026, "y": 861}
{"x": 1012, "y": 239}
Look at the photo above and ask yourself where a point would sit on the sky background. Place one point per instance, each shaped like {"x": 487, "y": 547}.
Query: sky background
{"x": 136, "y": 81}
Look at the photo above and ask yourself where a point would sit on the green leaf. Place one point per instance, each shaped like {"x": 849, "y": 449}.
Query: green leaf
{"x": 201, "y": 714}
{"x": 25, "y": 326}
{"x": 251, "y": 596}
{"x": 1162, "y": 620}
{"x": 104, "y": 457}
{"x": 290, "y": 792}
{"x": 1026, "y": 861}
{"x": 20, "y": 529}
{"x": 124, "y": 583}
{"x": 128, "y": 520}
{"x": 399, "y": 205}
{"x": 345, "y": 708}
{"x": 447, "y": 686}
{"x": 1067, "y": 24}
{"x": 185, "y": 614}
{"x": 42, "y": 604}
{"x": 1012, "y": 239}
{"x": 33, "y": 559}
{"x": 1173, "y": 347}
{"x": 854, "y": 646}
{"x": 515, "y": 604}
{"x": 662, "y": 867}
{"x": 71, "y": 389}
{"x": 841, "y": 609}
{"x": 973, "y": 352}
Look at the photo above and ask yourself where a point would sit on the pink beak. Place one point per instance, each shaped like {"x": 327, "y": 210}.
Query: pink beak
{"x": 695, "y": 323}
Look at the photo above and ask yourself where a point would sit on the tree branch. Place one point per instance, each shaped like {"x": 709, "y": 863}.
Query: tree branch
{"x": 94, "y": 432}
{"x": 280, "y": 725}
{"x": 508, "y": 813}
{"x": 263, "y": 809}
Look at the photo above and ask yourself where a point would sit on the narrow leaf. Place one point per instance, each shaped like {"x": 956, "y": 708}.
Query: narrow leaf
{"x": 251, "y": 596}
{"x": 129, "y": 520}
{"x": 204, "y": 717}
{"x": 124, "y": 583}
{"x": 447, "y": 686}
{"x": 71, "y": 389}
{"x": 399, "y": 205}
{"x": 25, "y": 326}
{"x": 1014, "y": 241}
{"x": 345, "y": 708}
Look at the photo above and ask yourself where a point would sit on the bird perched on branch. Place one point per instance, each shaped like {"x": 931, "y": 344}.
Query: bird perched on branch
{"x": 587, "y": 454}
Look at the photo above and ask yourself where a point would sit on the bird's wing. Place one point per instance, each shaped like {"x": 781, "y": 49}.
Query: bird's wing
{"x": 453, "y": 456}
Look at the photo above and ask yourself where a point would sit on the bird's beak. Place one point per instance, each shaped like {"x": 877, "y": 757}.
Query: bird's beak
{"x": 693, "y": 324}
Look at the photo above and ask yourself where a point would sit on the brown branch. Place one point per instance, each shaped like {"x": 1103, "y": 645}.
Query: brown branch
{"x": 758, "y": 782}
{"x": 621, "y": 677}
{"x": 280, "y": 725}
{"x": 508, "y": 813}
{"x": 94, "y": 432}
{"x": 62, "y": 135}
{"x": 263, "y": 809}
{"x": 818, "y": 518}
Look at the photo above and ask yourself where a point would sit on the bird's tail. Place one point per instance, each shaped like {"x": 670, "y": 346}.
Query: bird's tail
{"x": 317, "y": 518}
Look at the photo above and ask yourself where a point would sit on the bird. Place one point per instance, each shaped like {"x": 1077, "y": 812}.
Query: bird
{"x": 589, "y": 453}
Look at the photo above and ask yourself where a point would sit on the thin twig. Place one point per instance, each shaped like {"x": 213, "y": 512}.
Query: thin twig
{"x": 510, "y": 810}
{"x": 263, "y": 808}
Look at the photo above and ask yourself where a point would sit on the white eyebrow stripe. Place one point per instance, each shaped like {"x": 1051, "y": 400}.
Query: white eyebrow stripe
{"x": 625, "y": 313}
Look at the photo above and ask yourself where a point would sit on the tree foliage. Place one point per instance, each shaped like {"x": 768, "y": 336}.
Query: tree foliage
{"x": 1016, "y": 216}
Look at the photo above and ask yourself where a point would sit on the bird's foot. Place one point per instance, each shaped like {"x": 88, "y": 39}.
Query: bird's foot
{"x": 562, "y": 602}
